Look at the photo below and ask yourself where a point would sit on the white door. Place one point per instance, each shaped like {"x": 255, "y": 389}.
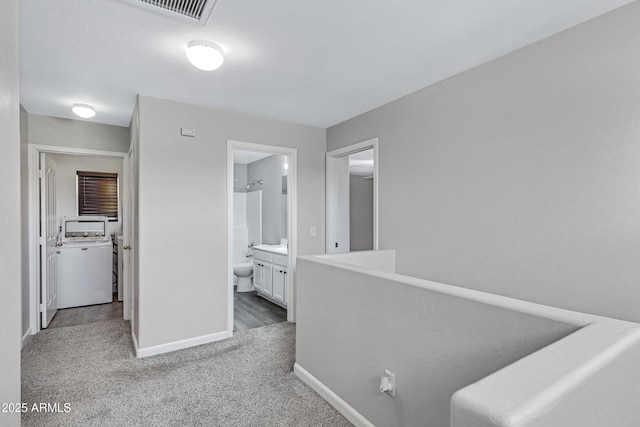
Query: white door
{"x": 257, "y": 275}
{"x": 278, "y": 282}
{"x": 267, "y": 284}
{"x": 48, "y": 240}
{"x": 337, "y": 205}
{"x": 127, "y": 237}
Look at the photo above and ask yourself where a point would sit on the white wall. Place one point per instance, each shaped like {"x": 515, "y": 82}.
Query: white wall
{"x": 67, "y": 167}
{"x": 183, "y": 181}
{"x": 270, "y": 170}
{"x": 10, "y": 226}
{"x": 360, "y": 213}
{"x": 45, "y": 130}
{"x": 135, "y": 150}
{"x": 254, "y": 217}
{"x": 520, "y": 177}
{"x": 240, "y": 177}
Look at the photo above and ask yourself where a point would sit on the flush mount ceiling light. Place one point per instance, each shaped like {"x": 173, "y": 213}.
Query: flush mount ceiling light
{"x": 204, "y": 55}
{"x": 83, "y": 110}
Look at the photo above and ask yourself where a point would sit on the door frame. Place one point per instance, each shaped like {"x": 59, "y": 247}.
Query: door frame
{"x": 332, "y": 183}
{"x": 292, "y": 217}
{"x": 34, "y": 151}
{"x": 128, "y": 258}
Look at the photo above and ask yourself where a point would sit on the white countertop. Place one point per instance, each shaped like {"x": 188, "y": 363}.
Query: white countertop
{"x": 276, "y": 249}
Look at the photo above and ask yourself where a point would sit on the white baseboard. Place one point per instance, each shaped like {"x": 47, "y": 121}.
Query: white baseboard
{"x": 179, "y": 345}
{"x": 334, "y": 400}
{"x": 26, "y": 337}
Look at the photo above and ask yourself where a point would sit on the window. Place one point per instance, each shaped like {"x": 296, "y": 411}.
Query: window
{"x": 98, "y": 194}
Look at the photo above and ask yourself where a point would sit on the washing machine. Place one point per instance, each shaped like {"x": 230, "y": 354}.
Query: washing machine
{"x": 84, "y": 262}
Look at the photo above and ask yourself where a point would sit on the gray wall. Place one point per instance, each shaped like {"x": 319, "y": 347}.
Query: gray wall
{"x": 270, "y": 170}
{"x": 360, "y": 213}
{"x": 57, "y": 132}
{"x": 352, "y": 326}
{"x": 67, "y": 166}
{"x": 24, "y": 207}
{"x": 520, "y": 177}
{"x": 10, "y": 245}
{"x": 45, "y": 130}
{"x": 183, "y": 181}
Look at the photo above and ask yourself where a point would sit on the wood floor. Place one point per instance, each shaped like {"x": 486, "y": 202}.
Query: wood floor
{"x": 88, "y": 314}
{"x": 250, "y": 311}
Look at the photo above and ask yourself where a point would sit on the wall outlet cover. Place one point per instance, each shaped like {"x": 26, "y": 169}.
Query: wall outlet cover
{"x": 392, "y": 382}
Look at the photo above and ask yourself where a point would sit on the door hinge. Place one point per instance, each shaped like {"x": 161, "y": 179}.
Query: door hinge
{"x": 43, "y": 308}
{"x": 40, "y": 173}
{"x": 42, "y": 240}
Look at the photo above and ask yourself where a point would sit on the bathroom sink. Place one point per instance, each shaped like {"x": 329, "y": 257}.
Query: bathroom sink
{"x": 278, "y": 249}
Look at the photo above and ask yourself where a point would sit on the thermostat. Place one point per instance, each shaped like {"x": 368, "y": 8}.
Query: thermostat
{"x": 187, "y": 132}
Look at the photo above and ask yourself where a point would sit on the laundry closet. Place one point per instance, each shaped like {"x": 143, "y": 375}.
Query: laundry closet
{"x": 88, "y": 223}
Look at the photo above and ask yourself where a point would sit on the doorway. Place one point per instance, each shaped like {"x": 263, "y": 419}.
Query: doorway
{"x": 352, "y": 198}
{"x": 262, "y": 237}
{"x": 65, "y": 162}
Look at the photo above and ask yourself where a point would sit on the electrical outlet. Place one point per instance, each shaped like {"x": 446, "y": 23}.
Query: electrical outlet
{"x": 388, "y": 383}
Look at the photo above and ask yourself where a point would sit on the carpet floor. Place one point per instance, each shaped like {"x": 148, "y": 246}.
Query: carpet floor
{"x": 246, "y": 380}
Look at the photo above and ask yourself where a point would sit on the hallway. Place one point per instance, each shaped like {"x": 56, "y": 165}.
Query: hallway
{"x": 246, "y": 380}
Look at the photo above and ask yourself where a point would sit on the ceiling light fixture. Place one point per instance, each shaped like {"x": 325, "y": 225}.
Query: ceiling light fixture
{"x": 83, "y": 110}
{"x": 204, "y": 55}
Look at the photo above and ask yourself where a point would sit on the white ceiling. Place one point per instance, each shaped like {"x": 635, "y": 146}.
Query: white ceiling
{"x": 311, "y": 62}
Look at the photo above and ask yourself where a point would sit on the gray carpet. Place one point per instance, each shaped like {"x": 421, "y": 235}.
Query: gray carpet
{"x": 244, "y": 381}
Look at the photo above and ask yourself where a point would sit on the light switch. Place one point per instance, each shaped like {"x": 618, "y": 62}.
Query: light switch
{"x": 313, "y": 230}
{"x": 187, "y": 132}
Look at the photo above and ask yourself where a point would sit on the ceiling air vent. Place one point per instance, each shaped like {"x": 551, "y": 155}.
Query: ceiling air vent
{"x": 194, "y": 11}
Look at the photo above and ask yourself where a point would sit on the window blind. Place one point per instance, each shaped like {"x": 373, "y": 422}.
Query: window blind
{"x": 98, "y": 194}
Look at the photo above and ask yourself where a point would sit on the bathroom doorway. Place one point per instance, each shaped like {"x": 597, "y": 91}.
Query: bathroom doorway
{"x": 261, "y": 235}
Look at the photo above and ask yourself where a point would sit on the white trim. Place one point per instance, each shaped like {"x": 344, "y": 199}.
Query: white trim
{"x": 333, "y": 399}
{"x": 292, "y": 216}
{"x": 179, "y": 345}
{"x": 135, "y": 342}
{"x": 26, "y": 337}
{"x": 34, "y": 151}
{"x": 330, "y": 177}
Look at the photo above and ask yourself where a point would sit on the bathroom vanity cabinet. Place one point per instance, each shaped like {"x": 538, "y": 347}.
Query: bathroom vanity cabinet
{"x": 270, "y": 276}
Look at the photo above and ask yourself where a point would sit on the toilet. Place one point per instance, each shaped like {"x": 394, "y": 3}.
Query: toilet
{"x": 243, "y": 272}
{"x": 242, "y": 260}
